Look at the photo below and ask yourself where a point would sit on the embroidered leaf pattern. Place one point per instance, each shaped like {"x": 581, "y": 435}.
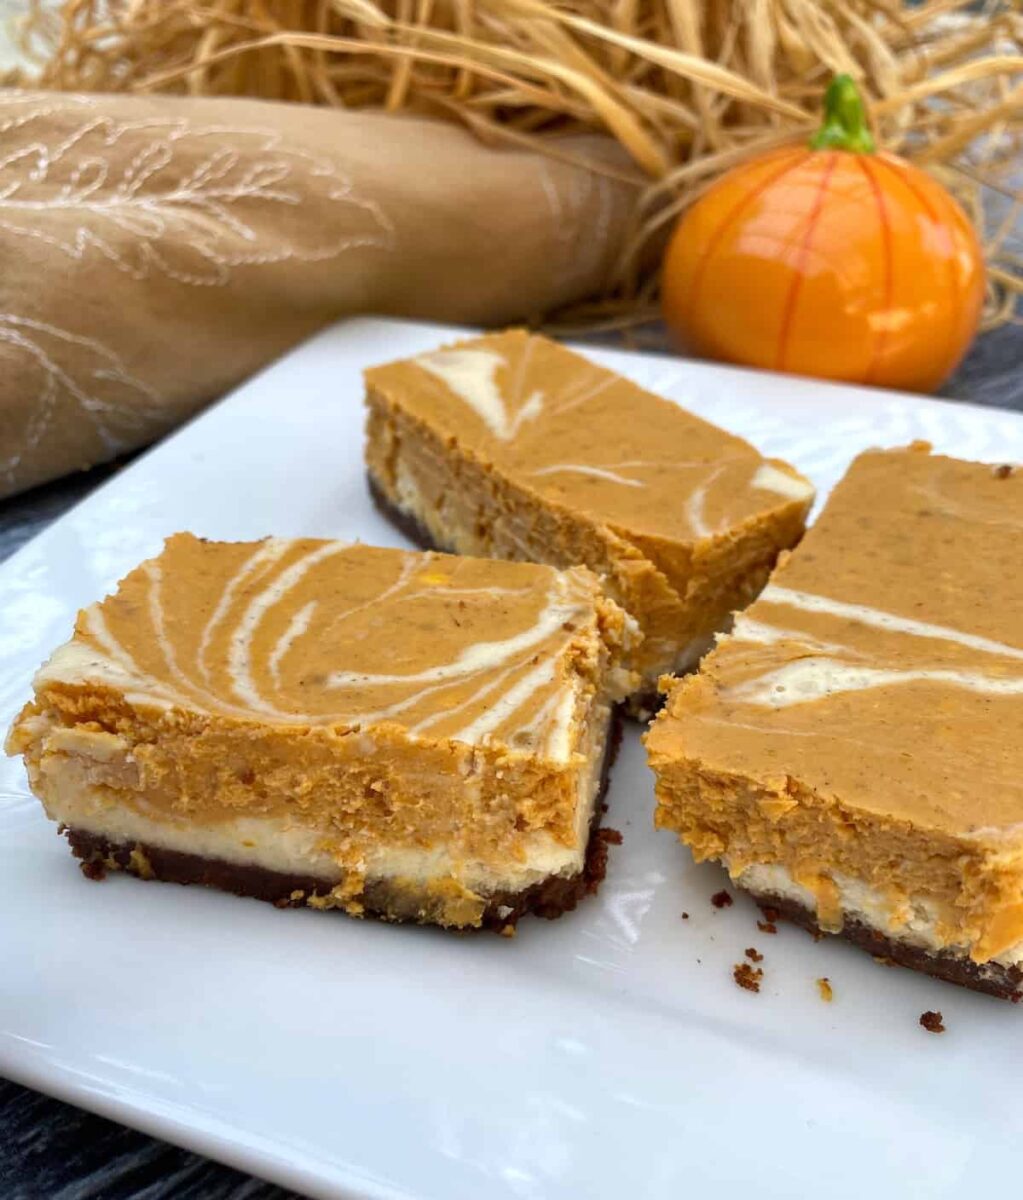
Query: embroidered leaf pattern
{"x": 163, "y": 196}
{"x": 153, "y": 199}
{"x": 69, "y": 382}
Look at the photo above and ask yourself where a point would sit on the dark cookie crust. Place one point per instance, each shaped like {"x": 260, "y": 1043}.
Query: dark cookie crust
{"x": 992, "y": 978}
{"x": 404, "y": 522}
{"x": 549, "y": 898}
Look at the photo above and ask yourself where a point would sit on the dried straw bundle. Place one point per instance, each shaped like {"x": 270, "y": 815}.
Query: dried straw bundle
{"x": 689, "y": 87}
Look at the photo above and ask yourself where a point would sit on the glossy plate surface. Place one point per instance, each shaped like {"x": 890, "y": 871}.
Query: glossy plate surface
{"x": 608, "y": 1054}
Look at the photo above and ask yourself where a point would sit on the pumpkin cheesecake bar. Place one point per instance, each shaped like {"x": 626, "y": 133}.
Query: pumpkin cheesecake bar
{"x": 511, "y": 446}
{"x": 414, "y": 736}
{"x": 853, "y": 751}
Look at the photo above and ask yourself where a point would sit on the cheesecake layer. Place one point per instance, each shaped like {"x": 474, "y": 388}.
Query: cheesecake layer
{"x": 511, "y": 446}
{"x": 389, "y": 723}
{"x": 861, "y": 729}
{"x": 284, "y": 866}
{"x": 279, "y": 844}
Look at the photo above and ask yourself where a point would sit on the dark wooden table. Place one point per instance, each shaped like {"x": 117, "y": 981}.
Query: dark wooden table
{"x": 52, "y": 1151}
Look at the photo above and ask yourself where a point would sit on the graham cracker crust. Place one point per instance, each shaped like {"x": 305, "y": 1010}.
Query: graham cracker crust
{"x": 991, "y": 978}
{"x": 550, "y": 898}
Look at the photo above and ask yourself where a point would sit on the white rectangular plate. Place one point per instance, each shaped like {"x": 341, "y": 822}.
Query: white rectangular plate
{"x": 607, "y": 1054}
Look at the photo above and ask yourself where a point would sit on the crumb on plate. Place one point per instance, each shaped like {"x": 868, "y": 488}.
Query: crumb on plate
{"x": 770, "y": 922}
{"x": 747, "y": 977}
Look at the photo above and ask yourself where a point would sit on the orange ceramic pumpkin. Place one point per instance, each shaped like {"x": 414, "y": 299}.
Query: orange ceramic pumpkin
{"x": 829, "y": 259}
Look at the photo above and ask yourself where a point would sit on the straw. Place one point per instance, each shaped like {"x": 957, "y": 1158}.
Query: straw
{"x": 689, "y": 88}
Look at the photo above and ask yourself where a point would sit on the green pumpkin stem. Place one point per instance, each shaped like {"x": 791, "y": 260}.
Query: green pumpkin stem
{"x": 845, "y": 119}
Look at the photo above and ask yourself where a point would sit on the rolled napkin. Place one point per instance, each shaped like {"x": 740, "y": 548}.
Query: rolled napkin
{"x": 157, "y": 249}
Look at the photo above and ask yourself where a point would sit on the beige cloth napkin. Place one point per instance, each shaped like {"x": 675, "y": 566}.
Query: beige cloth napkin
{"x": 157, "y": 250}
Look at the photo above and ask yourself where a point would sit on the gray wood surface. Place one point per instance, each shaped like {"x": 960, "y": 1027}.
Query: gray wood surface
{"x": 52, "y": 1151}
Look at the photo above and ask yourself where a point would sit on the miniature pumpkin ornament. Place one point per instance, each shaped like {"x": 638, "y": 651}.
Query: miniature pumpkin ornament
{"x": 835, "y": 260}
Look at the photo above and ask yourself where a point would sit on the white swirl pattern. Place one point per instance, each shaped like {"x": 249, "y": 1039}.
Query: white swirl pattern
{"x": 273, "y": 646}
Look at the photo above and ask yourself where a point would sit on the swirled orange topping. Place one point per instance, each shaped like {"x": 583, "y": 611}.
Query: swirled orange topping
{"x": 420, "y": 735}
{"x": 513, "y": 446}
{"x": 859, "y": 735}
